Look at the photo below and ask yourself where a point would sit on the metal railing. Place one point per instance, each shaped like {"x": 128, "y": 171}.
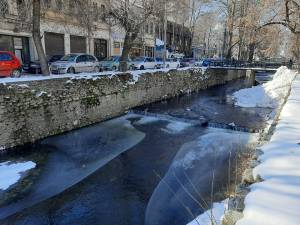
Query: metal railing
{"x": 246, "y": 64}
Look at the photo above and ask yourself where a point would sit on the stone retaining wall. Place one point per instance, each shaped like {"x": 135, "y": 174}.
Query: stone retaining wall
{"x": 33, "y": 110}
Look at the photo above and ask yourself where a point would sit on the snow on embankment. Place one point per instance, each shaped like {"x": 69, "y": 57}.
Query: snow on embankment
{"x": 270, "y": 94}
{"x": 276, "y": 200}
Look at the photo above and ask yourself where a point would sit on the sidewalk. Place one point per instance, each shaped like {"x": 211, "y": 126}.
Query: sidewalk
{"x": 276, "y": 200}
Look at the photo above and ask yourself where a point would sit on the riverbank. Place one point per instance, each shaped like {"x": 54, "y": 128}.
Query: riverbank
{"x": 276, "y": 200}
{"x": 260, "y": 201}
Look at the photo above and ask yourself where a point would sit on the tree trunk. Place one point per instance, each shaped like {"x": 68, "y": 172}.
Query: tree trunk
{"x": 230, "y": 29}
{"x": 251, "y": 52}
{"x": 128, "y": 43}
{"x": 36, "y": 21}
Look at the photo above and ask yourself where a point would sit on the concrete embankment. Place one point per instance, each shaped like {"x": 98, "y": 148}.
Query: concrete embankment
{"x": 32, "y": 110}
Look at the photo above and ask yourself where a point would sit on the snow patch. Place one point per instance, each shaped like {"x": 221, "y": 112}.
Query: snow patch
{"x": 213, "y": 215}
{"x": 10, "y": 172}
{"x": 23, "y": 86}
{"x": 40, "y": 94}
{"x": 270, "y": 94}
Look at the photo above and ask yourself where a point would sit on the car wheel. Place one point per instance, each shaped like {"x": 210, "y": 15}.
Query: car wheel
{"x": 96, "y": 69}
{"x": 142, "y": 68}
{"x": 114, "y": 68}
{"x": 71, "y": 70}
{"x": 16, "y": 73}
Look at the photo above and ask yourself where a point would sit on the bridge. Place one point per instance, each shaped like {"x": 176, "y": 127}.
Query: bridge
{"x": 263, "y": 66}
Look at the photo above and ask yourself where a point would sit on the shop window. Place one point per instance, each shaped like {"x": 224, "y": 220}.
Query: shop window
{"x": 4, "y": 8}
{"x": 117, "y": 44}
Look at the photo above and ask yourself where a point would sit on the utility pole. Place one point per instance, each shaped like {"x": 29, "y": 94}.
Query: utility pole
{"x": 165, "y": 33}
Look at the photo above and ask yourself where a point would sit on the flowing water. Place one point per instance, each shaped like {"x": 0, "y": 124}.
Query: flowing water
{"x": 145, "y": 167}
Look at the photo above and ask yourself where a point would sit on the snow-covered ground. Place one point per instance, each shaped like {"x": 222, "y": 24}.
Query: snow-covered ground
{"x": 276, "y": 200}
{"x": 270, "y": 94}
{"x": 11, "y": 172}
{"x": 212, "y": 216}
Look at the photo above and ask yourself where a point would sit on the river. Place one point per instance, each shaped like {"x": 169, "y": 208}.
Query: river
{"x": 146, "y": 167}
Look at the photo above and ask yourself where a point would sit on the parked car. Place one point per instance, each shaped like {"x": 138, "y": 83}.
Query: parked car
{"x": 187, "y": 62}
{"x": 10, "y": 65}
{"x": 75, "y": 63}
{"x": 207, "y": 62}
{"x": 199, "y": 63}
{"x": 112, "y": 63}
{"x": 172, "y": 63}
{"x": 159, "y": 63}
{"x": 35, "y": 66}
{"x": 142, "y": 63}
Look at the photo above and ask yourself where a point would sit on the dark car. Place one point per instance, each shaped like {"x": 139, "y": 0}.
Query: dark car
{"x": 187, "y": 62}
{"x": 35, "y": 66}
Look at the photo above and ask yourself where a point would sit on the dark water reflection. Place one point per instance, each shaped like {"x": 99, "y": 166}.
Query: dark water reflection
{"x": 121, "y": 159}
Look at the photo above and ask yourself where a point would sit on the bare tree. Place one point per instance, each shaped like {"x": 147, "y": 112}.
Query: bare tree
{"x": 36, "y": 27}
{"x": 131, "y": 16}
{"x": 287, "y": 15}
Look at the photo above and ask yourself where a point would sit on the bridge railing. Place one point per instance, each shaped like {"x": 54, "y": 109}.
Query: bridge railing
{"x": 246, "y": 64}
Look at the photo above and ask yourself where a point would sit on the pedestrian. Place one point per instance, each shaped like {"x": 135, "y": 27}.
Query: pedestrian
{"x": 290, "y": 63}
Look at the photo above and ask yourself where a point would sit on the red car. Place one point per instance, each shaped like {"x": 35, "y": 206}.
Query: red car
{"x": 9, "y": 65}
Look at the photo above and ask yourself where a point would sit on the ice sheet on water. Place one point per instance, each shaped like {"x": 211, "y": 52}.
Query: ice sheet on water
{"x": 192, "y": 167}
{"x": 174, "y": 125}
{"x": 11, "y": 172}
{"x": 77, "y": 154}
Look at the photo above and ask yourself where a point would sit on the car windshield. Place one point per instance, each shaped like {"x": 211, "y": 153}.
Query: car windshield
{"x": 69, "y": 58}
{"x": 112, "y": 58}
{"x": 138, "y": 59}
{"x": 55, "y": 58}
{"x": 187, "y": 60}
{"x": 5, "y": 57}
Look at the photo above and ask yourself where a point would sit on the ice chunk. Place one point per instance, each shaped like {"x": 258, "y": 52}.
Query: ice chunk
{"x": 11, "y": 172}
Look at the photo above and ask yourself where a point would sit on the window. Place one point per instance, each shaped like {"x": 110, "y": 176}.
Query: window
{"x": 5, "y": 57}
{"x": 90, "y": 58}
{"x": 59, "y": 5}
{"x": 117, "y": 44}
{"x": 77, "y": 44}
{"x": 3, "y": 7}
{"x": 81, "y": 58}
{"x": 47, "y": 4}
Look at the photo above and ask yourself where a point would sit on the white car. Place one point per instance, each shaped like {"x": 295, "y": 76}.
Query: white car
{"x": 75, "y": 63}
{"x": 172, "y": 63}
{"x": 199, "y": 63}
{"x": 141, "y": 63}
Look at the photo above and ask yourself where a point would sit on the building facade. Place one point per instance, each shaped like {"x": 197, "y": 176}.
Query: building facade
{"x": 68, "y": 28}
